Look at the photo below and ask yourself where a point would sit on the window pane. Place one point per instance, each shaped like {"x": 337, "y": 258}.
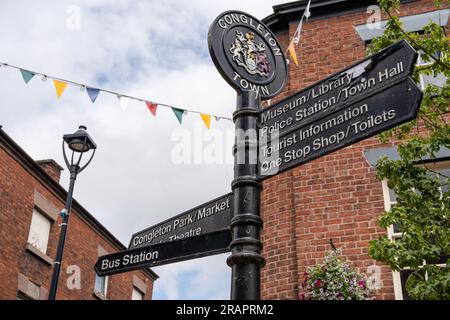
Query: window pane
{"x": 100, "y": 285}
{"x": 441, "y": 260}
{"x": 392, "y": 196}
{"x": 439, "y": 80}
{"x": 404, "y": 274}
{"x": 137, "y": 295}
{"x": 421, "y": 61}
{"x": 396, "y": 227}
{"x": 445, "y": 181}
{"x": 39, "y": 231}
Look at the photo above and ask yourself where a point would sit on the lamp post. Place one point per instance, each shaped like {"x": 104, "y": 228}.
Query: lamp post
{"x": 79, "y": 143}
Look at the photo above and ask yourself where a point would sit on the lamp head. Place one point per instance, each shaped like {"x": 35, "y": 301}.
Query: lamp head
{"x": 80, "y": 141}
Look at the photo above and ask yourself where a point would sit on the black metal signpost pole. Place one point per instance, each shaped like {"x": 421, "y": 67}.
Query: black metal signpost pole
{"x": 250, "y": 59}
{"x": 246, "y": 259}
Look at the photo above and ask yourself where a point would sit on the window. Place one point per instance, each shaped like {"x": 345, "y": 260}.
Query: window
{"x": 137, "y": 294}
{"x": 425, "y": 80}
{"x": 39, "y": 231}
{"x": 29, "y": 290}
{"x": 441, "y": 170}
{"x": 413, "y": 23}
{"x": 101, "y": 286}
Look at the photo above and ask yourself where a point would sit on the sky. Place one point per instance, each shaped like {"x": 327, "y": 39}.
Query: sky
{"x": 155, "y": 50}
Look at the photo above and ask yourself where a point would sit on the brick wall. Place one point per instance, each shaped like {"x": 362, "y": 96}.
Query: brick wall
{"x": 334, "y": 197}
{"x": 17, "y": 193}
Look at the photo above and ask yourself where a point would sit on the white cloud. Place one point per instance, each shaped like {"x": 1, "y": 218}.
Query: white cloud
{"x": 152, "y": 49}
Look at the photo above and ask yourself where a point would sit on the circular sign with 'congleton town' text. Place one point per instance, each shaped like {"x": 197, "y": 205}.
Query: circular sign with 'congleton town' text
{"x": 247, "y": 54}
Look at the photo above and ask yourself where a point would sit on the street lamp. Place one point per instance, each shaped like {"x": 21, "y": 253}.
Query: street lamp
{"x": 80, "y": 143}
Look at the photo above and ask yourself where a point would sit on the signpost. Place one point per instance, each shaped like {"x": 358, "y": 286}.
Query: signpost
{"x": 164, "y": 253}
{"x": 365, "y": 99}
{"x": 249, "y": 58}
{"x": 212, "y": 216}
{"x": 354, "y": 104}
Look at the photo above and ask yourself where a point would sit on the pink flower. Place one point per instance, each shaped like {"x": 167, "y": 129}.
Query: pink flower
{"x": 305, "y": 279}
{"x": 362, "y": 284}
{"x": 318, "y": 282}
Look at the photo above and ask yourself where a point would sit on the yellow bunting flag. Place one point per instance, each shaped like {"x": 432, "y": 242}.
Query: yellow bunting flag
{"x": 60, "y": 86}
{"x": 206, "y": 119}
{"x": 291, "y": 49}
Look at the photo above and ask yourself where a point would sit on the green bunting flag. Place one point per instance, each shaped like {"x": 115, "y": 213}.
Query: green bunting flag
{"x": 26, "y": 75}
{"x": 178, "y": 114}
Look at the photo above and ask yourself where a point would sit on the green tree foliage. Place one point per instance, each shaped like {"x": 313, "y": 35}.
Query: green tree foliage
{"x": 422, "y": 210}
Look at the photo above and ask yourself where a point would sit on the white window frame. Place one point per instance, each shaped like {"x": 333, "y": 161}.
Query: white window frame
{"x": 421, "y": 63}
{"x": 106, "y": 280}
{"x": 40, "y": 214}
{"x": 398, "y": 292}
{"x": 390, "y": 233}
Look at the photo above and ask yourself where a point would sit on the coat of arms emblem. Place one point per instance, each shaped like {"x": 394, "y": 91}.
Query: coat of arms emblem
{"x": 250, "y": 55}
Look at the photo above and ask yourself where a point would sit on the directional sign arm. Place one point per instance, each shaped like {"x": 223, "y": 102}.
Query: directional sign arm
{"x": 164, "y": 253}
{"x": 369, "y": 76}
{"x": 370, "y": 116}
{"x": 212, "y": 216}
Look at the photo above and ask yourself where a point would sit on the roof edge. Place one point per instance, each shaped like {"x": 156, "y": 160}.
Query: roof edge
{"x": 287, "y": 12}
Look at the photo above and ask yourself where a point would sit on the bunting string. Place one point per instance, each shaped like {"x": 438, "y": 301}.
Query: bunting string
{"x": 93, "y": 93}
{"x": 296, "y": 38}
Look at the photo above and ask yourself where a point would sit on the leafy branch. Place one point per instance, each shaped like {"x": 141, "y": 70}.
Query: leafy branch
{"x": 422, "y": 209}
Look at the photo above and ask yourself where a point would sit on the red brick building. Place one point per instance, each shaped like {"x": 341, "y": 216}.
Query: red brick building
{"x": 30, "y": 201}
{"x": 337, "y": 196}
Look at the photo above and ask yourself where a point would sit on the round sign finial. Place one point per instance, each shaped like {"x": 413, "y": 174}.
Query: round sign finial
{"x": 247, "y": 54}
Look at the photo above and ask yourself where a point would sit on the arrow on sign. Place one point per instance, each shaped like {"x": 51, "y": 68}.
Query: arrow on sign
{"x": 164, "y": 253}
{"x": 381, "y": 111}
{"x": 212, "y": 216}
{"x": 367, "y": 77}
{"x": 372, "y": 96}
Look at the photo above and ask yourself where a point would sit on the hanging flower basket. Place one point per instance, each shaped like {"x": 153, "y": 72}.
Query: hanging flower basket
{"x": 334, "y": 280}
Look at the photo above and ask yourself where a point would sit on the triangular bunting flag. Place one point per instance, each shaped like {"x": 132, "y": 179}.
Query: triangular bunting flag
{"x": 298, "y": 32}
{"x": 92, "y": 93}
{"x": 152, "y": 107}
{"x": 179, "y": 114}
{"x": 206, "y": 119}
{"x": 123, "y": 102}
{"x": 26, "y": 75}
{"x": 291, "y": 49}
{"x": 60, "y": 86}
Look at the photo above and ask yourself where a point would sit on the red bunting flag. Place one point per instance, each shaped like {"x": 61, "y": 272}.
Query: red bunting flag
{"x": 152, "y": 107}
